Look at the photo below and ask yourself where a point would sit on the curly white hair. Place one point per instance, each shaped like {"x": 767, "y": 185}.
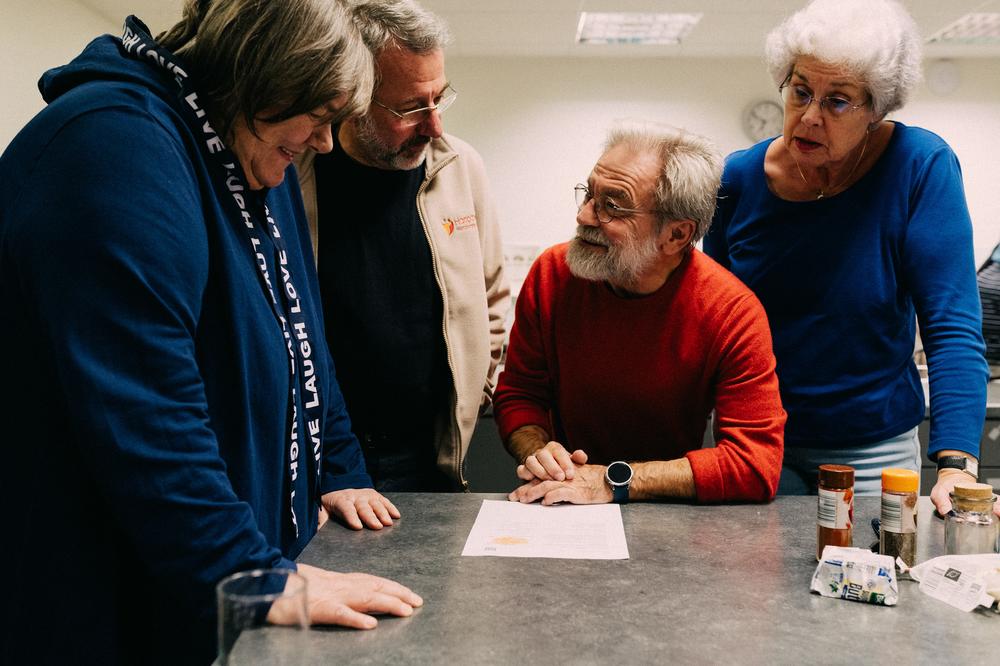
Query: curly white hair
{"x": 875, "y": 40}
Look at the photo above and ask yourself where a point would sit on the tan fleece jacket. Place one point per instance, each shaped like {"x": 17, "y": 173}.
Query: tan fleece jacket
{"x": 461, "y": 225}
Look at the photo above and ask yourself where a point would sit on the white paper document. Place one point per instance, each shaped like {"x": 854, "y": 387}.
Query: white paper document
{"x": 512, "y": 529}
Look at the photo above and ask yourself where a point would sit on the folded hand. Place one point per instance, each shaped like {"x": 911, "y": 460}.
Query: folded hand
{"x": 553, "y": 462}
{"x": 587, "y": 486}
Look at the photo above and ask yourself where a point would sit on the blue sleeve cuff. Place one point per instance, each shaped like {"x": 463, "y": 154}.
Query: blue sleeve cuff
{"x": 952, "y": 445}
{"x": 333, "y": 482}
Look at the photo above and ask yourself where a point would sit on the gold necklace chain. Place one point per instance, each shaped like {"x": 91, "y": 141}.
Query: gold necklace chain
{"x": 822, "y": 192}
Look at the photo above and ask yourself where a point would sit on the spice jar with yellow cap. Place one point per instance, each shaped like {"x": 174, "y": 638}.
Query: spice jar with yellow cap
{"x": 970, "y": 527}
{"x": 898, "y": 522}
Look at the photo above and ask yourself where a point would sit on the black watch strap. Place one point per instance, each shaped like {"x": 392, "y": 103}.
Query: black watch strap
{"x": 619, "y": 477}
{"x": 964, "y": 463}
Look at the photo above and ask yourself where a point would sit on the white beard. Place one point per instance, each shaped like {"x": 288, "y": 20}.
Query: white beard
{"x": 621, "y": 265}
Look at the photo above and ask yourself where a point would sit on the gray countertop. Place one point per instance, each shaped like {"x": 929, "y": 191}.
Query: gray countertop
{"x": 704, "y": 584}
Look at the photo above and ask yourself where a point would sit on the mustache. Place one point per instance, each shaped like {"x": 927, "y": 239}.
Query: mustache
{"x": 592, "y": 235}
{"x": 415, "y": 142}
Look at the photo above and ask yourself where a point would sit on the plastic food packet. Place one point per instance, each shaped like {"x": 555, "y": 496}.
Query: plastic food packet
{"x": 962, "y": 581}
{"x": 856, "y": 574}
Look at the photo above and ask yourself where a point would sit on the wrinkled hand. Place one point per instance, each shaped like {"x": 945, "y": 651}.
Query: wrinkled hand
{"x": 360, "y": 507}
{"x": 551, "y": 462}
{"x": 947, "y": 479}
{"x": 586, "y": 487}
{"x": 347, "y": 599}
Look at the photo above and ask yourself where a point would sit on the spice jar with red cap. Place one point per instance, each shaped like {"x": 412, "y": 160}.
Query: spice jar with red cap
{"x": 835, "y": 508}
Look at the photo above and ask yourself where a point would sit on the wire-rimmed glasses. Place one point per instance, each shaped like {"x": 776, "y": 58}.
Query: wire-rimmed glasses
{"x": 799, "y": 98}
{"x": 605, "y": 205}
{"x": 417, "y": 116}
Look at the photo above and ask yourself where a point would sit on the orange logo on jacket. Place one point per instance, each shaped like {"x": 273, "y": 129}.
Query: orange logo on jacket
{"x": 462, "y": 223}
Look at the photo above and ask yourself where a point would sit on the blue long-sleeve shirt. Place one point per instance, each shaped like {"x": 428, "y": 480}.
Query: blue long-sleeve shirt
{"x": 145, "y": 429}
{"x": 844, "y": 280}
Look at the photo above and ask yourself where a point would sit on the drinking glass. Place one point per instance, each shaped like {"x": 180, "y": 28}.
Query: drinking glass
{"x": 263, "y": 607}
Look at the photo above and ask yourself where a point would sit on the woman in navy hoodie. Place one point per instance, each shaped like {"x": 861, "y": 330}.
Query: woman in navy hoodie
{"x": 174, "y": 415}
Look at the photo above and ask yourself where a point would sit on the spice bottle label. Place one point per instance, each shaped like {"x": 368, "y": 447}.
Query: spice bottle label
{"x": 835, "y": 509}
{"x": 899, "y": 513}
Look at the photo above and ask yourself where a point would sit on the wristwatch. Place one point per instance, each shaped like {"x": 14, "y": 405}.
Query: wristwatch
{"x": 619, "y": 476}
{"x": 964, "y": 463}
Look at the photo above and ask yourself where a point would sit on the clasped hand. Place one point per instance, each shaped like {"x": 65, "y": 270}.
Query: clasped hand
{"x": 555, "y": 475}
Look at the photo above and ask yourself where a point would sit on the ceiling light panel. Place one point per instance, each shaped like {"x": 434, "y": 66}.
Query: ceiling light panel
{"x": 634, "y": 27}
{"x": 975, "y": 28}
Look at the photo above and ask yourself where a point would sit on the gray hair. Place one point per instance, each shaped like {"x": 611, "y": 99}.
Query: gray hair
{"x": 875, "y": 40}
{"x": 269, "y": 61}
{"x": 689, "y": 179}
{"x": 403, "y": 23}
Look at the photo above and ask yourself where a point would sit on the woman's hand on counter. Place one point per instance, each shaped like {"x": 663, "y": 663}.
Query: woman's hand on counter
{"x": 947, "y": 479}
{"x": 351, "y": 599}
{"x": 359, "y": 508}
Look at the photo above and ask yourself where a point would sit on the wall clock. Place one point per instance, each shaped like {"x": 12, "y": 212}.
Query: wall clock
{"x": 943, "y": 76}
{"x": 763, "y": 119}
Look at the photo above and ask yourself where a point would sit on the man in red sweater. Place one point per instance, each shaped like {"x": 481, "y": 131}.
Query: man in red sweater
{"x": 627, "y": 337}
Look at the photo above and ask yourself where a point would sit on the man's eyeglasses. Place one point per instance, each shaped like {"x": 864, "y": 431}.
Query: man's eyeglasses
{"x": 605, "y": 207}
{"x": 418, "y": 116}
{"x": 799, "y": 98}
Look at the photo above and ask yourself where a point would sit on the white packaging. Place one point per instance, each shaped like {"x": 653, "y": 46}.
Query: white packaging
{"x": 856, "y": 574}
{"x": 962, "y": 581}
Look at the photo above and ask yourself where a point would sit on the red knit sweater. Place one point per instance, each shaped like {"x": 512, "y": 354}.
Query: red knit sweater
{"x": 636, "y": 379}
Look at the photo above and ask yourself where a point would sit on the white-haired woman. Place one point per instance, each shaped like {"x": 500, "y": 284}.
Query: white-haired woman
{"x": 850, "y": 228}
{"x": 176, "y": 417}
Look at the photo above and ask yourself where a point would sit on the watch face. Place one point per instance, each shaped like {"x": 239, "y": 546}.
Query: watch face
{"x": 619, "y": 472}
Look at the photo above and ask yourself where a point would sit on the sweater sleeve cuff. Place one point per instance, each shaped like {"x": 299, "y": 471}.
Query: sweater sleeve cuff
{"x": 332, "y": 482}
{"x": 952, "y": 445}
{"x": 508, "y": 420}
{"x": 709, "y": 486}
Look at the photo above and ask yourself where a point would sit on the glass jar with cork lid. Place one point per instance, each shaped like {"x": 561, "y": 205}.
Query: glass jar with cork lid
{"x": 970, "y": 527}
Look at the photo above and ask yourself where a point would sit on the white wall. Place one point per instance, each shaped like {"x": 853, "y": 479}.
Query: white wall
{"x": 969, "y": 120}
{"x": 539, "y": 124}
{"x": 36, "y": 35}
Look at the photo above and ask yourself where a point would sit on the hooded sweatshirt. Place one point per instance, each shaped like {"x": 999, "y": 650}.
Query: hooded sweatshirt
{"x": 146, "y": 441}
